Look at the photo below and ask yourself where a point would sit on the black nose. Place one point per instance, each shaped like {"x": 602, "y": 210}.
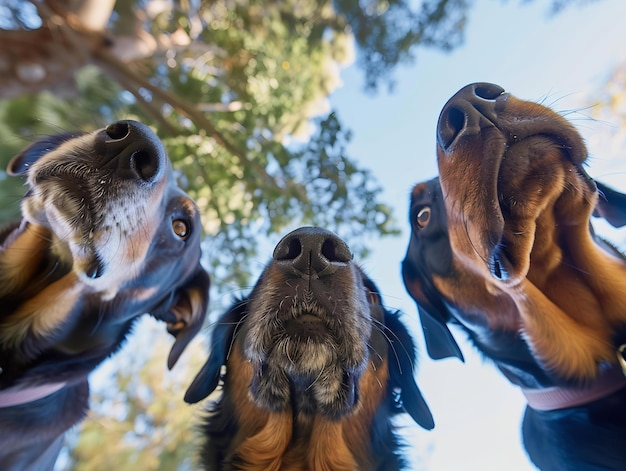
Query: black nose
{"x": 132, "y": 150}
{"x": 313, "y": 252}
{"x": 466, "y": 112}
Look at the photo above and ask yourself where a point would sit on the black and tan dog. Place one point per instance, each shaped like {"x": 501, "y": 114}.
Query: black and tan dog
{"x": 315, "y": 368}
{"x": 502, "y": 245}
{"x": 106, "y": 236}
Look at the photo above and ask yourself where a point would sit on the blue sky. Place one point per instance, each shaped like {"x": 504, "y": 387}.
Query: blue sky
{"x": 560, "y": 60}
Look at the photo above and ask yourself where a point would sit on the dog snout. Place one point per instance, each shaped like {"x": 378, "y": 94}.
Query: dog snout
{"x": 312, "y": 252}
{"x": 467, "y": 112}
{"x": 133, "y": 151}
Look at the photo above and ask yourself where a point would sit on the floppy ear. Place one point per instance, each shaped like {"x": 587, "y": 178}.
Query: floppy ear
{"x": 401, "y": 375}
{"x": 439, "y": 340}
{"x": 222, "y": 337}
{"x": 184, "y": 311}
{"x": 611, "y": 205}
{"x": 31, "y": 154}
{"x": 430, "y": 253}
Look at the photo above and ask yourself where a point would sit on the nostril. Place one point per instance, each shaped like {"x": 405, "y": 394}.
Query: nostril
{"x": 334, "y": 250}
{"x": 451, "y": 123}
{"x": 145, "y": 164}
{"x": 465, "y": 112}
{"x": 118, "y": 130}
{"x": 289, "y": 249}
{"x": 488, "y": 91}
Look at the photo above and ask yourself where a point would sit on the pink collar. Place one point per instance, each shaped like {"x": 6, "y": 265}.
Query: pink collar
{"x": 607, "y": 382}
{"x": 16, "y": 396}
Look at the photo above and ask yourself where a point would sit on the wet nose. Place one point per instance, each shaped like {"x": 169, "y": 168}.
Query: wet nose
{"x": 466, "y": 112}
{"x": 133, "y": 151}
{"x": 312, "y": 252}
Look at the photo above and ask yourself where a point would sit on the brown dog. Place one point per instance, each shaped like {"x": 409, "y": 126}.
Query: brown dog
{"x": 502, "y": 245}
{"x": 316, "y": 368}
{"x": 106, "y": 236}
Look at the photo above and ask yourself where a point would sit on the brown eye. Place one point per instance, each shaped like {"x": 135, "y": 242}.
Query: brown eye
{"x": 423, "y": 217}
{"x": 372, "y": 297}
{"x": 180, "y": 228}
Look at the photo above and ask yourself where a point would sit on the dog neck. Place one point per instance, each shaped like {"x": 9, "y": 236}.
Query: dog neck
{"x": 31, "y": 257}
{"x": 19, "y": 396}
{"x": 607, "y": 382}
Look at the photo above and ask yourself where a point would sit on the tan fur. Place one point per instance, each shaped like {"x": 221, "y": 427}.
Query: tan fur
{"x": 41, "y": 315}
{"x": 20, "y": 258}
{"x": 565, "y": 293}
{"x": 569, "y": 347}
{"x": 328, "y": 450}
{"x": 268, "y": 440}
{"x": 263, "y": 436}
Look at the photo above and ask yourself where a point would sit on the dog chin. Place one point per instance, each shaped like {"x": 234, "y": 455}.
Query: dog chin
{"x": 332, "y": 391}
{"x": 304, "y": 363}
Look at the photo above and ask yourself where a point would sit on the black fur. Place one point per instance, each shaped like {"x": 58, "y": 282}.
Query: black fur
{"x": 65, "y": 174}
{"x": 389, "y": 341}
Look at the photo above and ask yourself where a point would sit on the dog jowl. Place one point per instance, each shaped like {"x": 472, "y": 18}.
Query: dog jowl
{"x": 315, "y": 367}
{"x": 106, "y": 236}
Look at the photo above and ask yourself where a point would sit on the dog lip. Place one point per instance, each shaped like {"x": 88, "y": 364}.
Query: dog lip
{"x": 499, "y": 265}
{"x": 95, "y": 269}
{"x": 515, "y": 128}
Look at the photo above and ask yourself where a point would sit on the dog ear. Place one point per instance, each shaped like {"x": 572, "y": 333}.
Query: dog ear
{"x": 611, "y": 205}
{"x": 407, "y": 394}
{"x": 184, "y": 311}
{"x": 222, "y": 338}
{"x": 31, "y": 154}
{"x": 439, "y": 340}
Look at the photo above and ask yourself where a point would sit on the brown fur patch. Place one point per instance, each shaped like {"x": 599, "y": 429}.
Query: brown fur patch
{"x": 275, "y": 441}
{"x": 41, "y": 315}
{"x": 263, "y": 437}
{"x": 21, "y": 256}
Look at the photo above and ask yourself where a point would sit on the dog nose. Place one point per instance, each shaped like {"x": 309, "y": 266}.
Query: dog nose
{"x": 467, "y": 112}
{"x": 133, "y": 151}
{"x": 312, "y": 252}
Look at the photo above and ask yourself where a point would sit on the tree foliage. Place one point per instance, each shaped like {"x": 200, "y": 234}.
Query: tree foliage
{"x": 138, "y": 420}
{"x": 237, "y": 90}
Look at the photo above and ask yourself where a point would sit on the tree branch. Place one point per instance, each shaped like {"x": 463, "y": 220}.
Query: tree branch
{"x": 113, "y": 65}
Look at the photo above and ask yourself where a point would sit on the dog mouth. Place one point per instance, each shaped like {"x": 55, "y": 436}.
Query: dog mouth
{"x": 304, "y": 345}
{"x": 504, "y": 163}
{"x": 306, "y": 328}
{"x": 68, "y": 209}
{"x": 534, "y": 176}
{"x": 99, "y": 193}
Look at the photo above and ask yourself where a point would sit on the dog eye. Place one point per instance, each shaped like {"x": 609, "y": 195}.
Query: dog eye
{"x": 180, "y": 228}
{"x": 423, "y": 217}
{"x": 372, "y": 297}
